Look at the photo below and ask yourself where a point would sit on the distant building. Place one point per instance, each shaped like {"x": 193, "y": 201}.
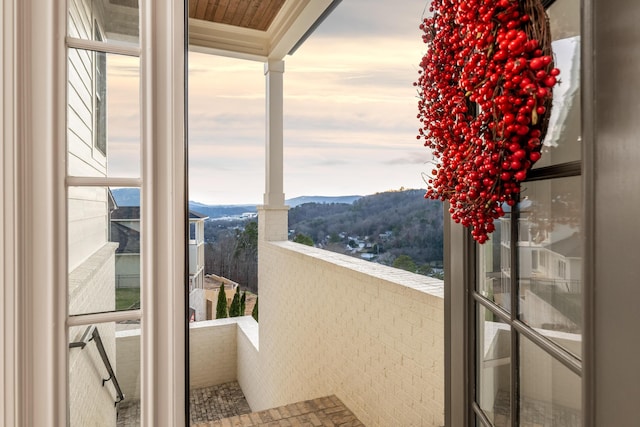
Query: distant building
{"x": 196, "y": 250}
{"x": 125, "y": 230}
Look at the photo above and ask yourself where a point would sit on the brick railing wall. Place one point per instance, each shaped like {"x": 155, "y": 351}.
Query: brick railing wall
{"x": 331, "y": 324}
{"x": 370, "y": 334}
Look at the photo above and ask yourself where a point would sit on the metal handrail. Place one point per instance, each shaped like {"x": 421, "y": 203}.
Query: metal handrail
{"x": 92, "y": 334}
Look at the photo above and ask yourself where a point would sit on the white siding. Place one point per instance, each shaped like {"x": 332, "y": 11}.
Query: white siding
{"x": 83, "y": 159}
{"x": 88, "y": 222}
{"x": 91, "y": 259}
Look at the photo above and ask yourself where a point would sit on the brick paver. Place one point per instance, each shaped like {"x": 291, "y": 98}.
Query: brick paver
{"x": 225, "y": 406}
{"x": 323, "y": 412}
{"x": 206, "y": 404}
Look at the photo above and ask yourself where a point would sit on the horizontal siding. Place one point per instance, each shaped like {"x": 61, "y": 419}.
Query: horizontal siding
{"x": 88, "y": 220}
{"x": 87, "y": 207}
{"x": 80, "y": 18}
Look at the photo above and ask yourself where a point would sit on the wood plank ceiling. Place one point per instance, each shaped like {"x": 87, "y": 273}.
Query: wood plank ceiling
{"x": 254, "y": 14}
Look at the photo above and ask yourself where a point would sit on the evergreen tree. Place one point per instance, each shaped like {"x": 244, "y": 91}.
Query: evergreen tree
{"x": 304, "y": 239}
{"x": 234, "y": 309}
{"x": 254, "y": 312}
{"x": 243, "y": 303}
{"x": 221, "y": 308}
{"x": 406, "y": 263}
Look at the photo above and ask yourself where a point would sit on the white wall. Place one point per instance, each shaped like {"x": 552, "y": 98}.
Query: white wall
{"x": 128, "y": 363}
{"x": 128, "y": 270}
{"x": 370, "y": 334}
{"x": 198, "y": 301}
{"x": 213, "y": 352}
{"x": 91, "y": 290}
{"x": 88, "y": 221}
{"x": 91, "y": 260}
{"x": 250, "y": 374}
{"x": 329, "y": 324}
{"x": 215, "y": 348}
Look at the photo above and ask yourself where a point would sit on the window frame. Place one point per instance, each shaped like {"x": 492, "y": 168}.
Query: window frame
{"x": 460, "y": 286}
{"x": 162, "y": 184}
{"x": 99, "y": 96}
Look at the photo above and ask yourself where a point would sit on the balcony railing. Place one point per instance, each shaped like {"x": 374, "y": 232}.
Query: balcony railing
{"x": 329, "y": 324}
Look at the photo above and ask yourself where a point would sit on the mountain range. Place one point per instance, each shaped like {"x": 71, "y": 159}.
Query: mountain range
{"x": 131, "y": 197}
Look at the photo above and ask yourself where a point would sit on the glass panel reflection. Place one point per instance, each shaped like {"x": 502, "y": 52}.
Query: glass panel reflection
{"x": 111, "y": 21}
{"x": 104, "y": 250}
{"x": 103, "y": 114}
{"x": 104, "y": 375}
{"x": 493, "y": 368}
{"x": 550, "y": 260}
{"x": 550, "y": 394}
{"x": 562, "y": 142}
{"x": 494, "y": 275}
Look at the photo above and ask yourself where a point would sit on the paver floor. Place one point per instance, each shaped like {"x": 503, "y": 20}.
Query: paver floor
{"x": 225, "y": 406}
{"x": 205, "y": 404}
{"x": 534, "y": 413}
{"x": 325, "y": 411}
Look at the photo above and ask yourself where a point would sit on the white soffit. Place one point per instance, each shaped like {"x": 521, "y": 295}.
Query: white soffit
{"x": 290, "y": 25}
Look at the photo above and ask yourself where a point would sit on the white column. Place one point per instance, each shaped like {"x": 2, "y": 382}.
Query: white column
{"x": 273, "y": 216}
{"x": 274, "y": 189}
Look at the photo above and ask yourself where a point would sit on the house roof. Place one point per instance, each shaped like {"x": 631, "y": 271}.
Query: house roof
{"x": 133, "y": 213}
{"x": 127, "y": 238}
{"x": 570, "y": 247}
{"x": 197, "y": 215}
{"x": 126, "y": 212}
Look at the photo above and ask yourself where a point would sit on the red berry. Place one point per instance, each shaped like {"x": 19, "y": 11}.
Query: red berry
{"x": 534, "y": 156}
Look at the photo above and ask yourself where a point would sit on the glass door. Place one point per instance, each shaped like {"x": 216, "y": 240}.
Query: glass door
{"x": 527, "y": 327}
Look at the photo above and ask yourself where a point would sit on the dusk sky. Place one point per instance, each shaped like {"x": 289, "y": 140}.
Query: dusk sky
{"x": 349, "y": 104}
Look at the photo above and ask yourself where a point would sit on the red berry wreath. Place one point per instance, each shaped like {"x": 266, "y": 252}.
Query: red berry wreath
{"x": 484, "y": 93}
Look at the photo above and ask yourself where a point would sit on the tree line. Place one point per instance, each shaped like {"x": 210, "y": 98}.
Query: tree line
{"x": 401, "y": 227}
{"x": 415, "y": 225}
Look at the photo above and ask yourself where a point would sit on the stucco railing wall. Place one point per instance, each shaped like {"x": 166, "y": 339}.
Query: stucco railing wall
{"x": 370, "y": 334}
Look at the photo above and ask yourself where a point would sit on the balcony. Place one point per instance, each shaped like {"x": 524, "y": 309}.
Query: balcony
{"x": 370, "y": 335}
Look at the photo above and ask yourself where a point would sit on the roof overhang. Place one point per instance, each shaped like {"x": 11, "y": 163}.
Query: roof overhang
{"x": 294, "y": 21}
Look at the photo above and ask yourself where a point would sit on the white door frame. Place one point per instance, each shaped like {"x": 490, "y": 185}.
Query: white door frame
{"x": 33, "y": 336}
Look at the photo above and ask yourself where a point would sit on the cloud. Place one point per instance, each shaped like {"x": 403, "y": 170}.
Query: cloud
{"x": 349, "y": 111}
{"x": 363, "y": 18}
{"x": 415, "y": 158}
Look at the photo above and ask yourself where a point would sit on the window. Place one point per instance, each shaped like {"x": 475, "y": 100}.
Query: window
{"x": 100, "y": 94}
{"x": 104, "y": 235}
{"x": 562, "y": 269}
{"x": 527, "y": 332}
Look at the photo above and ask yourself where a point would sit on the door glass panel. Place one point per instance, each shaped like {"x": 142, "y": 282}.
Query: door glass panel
{"x": 550, "y": 260}
{"x": 103, "y": 114}
{"x": 494, "y": 275}
{"x": 111, "y": 21}
{"x": 550, "y": 394}
{"x": 104, "y": 250}
{"x": 493, "y": 368}
{"x": 562, "y": 142}
{"x": 104, "y": 375}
